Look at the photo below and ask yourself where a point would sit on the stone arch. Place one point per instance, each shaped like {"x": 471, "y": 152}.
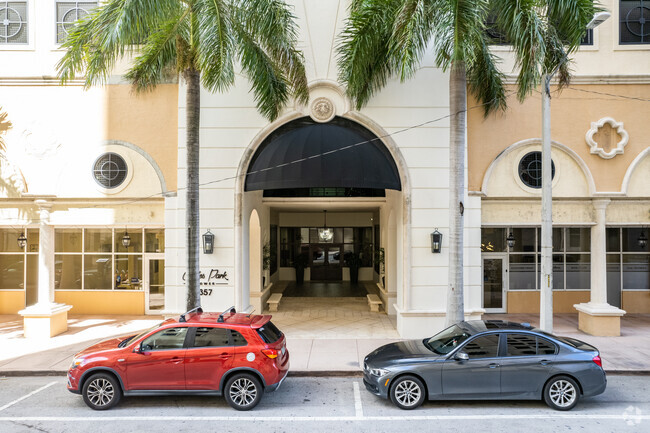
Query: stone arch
{"x": 535, "y": 144}
{"x": 633, "y": 183}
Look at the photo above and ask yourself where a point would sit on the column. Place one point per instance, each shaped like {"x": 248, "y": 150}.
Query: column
{"x": 597, "y": 317}
{"x": 45, "y": 319}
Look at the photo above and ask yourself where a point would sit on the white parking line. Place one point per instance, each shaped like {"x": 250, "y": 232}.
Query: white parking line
{"x": 27, "y": 396}
{"x": 358, "y": 409}
{"x": 622, "y": 417}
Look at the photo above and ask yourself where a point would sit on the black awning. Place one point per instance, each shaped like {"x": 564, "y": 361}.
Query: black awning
{"x": 306, "y": 154}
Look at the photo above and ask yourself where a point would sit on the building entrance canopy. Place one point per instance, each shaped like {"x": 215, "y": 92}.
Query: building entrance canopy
{"x": 306, "y": 154}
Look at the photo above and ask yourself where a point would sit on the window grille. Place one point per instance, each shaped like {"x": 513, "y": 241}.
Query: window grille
{"x": 67, "y": 13}
{"x": 13, "y": 23}
{"x": 530, "y": 170}
{"x": 110, "y": 170}
{"x": 634, "y": 22}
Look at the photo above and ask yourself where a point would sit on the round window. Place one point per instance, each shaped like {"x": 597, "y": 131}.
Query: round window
{"x": 110, "y": 170}
{"x": 530, "y": 170}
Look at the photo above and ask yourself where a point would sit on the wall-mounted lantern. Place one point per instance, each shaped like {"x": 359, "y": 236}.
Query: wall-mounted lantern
{"x": 126, "y": 239}
{"x": 642, "y": 240}
{"x": 510, "y": 240}
{"x": 208, "y": 242}
{"x": 22, "y": 241}
{"x": 436, "y": 241}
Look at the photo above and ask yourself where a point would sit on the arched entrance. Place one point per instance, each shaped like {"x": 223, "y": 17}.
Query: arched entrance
{"x": 324, "y": 193}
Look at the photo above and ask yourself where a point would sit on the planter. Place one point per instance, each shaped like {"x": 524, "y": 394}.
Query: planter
{"x": 300, "y": 276}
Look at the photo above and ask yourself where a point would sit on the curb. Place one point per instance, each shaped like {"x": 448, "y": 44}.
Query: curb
{"x": 298, "y": 373}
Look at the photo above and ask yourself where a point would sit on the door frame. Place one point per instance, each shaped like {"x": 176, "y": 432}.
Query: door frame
{"x": 504, "y": 284}
{"x": 145, "y": 285}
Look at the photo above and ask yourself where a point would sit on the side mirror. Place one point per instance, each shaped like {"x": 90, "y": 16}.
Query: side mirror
{"x": 461, "y": 356}
{"x": 142, "y": 349}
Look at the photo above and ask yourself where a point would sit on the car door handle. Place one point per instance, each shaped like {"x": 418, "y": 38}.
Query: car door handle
{"x": 493, "y": 365}
{"x": 176, "y": 360}
{"x": 224, "y": 355}
{"x": 544, "y": 362}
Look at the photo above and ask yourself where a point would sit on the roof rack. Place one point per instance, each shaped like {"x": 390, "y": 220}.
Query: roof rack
{"x": 197, "y": 309}
{"x": 230, "y": 310}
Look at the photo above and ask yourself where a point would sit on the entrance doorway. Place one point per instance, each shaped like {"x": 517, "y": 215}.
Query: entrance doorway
{"x": 326, "y": 262}
{"x": 494, "y": 283}
{"x": 154, "y": 288}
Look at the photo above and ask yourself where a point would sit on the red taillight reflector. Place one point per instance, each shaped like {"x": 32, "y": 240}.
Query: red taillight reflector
{"x": 598, "y": 361}
{"x": 270, "y": 353}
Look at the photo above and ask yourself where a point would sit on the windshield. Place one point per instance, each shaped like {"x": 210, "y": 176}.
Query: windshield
{"x": 447, "y": 340}
{"x": 123, "y": 343}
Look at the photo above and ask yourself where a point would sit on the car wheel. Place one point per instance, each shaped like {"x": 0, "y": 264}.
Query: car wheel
{"x": 243, "y": 391}
{"x": 407, "y": 392}
{"x": 101, "y": 391}
{"x": 561, "y": 393}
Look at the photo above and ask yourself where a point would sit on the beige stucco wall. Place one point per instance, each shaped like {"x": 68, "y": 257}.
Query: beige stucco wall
{"x": 528, "y": 301}
{"x": 102, "y": 302}
{"x": 572, "y": 112}
{"x": 148, "y": 120}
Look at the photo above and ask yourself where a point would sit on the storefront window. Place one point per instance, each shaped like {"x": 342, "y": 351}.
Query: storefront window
{"x": 136, "y": 241}
{"x": 67, "y": 240}
{"x": 154, "y": 240}
{"x": 578, "y": 271}
{"x": 628, "y": 263}
{"x": 98, "y": 240}
{"x": 9, "y": 240}
{"x": 493, "y": 239}
{"x": 67, "y": 271}
{"x": 522, "y": 272}
{"x": 128, "y": 272}
{"x": 97, "y": 272}
{"x": 12, "y": 270}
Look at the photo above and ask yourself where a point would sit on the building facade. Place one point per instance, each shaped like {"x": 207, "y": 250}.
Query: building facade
{"x": 325, "y": 187}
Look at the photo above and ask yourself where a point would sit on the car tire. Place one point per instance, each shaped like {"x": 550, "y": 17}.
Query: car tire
{"x": 561, "y": 393}
{"x": 407, "y": 392}
{"x": 101, "y": 391}
{"x": 243, "y": 391}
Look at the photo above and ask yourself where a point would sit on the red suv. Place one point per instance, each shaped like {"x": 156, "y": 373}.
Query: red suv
{"x": 232, "y": 354}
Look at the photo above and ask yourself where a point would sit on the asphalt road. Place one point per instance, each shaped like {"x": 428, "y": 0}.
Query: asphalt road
{"x": 312, "y": 404}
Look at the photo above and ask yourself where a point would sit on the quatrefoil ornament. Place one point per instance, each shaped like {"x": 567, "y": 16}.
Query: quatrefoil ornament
{"x": 599, "y": 148}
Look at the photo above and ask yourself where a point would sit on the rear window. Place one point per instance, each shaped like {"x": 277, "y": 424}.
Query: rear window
{"x": 581, "y": 345}
{"x": 269, "y": 332}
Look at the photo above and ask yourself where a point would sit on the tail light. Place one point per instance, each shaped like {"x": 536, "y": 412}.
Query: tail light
{"x": 270, "y": 353}
{"x": 598, "y": 361}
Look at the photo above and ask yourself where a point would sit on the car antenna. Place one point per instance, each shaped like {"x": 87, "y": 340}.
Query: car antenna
{"x": 228, "y": 310}
{"x": 197, "y": 309}
{"x": 251, "y": 313}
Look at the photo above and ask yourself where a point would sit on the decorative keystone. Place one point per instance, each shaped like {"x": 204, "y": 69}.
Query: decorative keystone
{"x": 599, "y": 150}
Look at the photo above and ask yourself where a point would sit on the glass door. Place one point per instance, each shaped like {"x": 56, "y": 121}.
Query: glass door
{"x": 494, "y": 283}
{"x": 326, "y": 263}
{"x": 154, "y": 280}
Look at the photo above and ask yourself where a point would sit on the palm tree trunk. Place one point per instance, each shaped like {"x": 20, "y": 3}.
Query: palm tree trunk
{"x": 193, "y": 104}
{"x": 457, "y": 107}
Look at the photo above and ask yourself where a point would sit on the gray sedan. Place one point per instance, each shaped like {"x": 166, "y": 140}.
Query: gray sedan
{"x": 484, "y": 360}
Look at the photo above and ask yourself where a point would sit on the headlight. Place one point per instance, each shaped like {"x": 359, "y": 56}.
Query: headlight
{"x": 77, "y": 362}
{"x": 379, "y": 372}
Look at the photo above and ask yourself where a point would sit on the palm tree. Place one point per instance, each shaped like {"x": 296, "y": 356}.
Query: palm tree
{"x": 204, "y": 41}
{"x": 5, "y": 125}
{"x": 387, "y": 38}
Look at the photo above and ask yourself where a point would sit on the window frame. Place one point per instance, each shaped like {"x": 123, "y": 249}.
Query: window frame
{"x": 56, "y": 16}
{"x": 22, "y": 46}
{"x": 644, "y": 4}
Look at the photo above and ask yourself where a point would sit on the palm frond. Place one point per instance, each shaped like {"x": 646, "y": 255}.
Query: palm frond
{"x": 118, "y": 27}
{"x": 485, "y": 80}
{"x": 157, "y": 55}
{"x": 411, "y": 33}
{"x": 272, "y": 24}
{"x": 520, "y": 22}
{"x": 363, "y": 48}
{"x": 570, "y": 18}
{"x": 269, "y": 85}
{"x": 216, "y": 50}
{"x": 5, "y": 125}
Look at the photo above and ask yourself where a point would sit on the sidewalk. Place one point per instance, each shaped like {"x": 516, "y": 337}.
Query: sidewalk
{"x": 629, "y": 353}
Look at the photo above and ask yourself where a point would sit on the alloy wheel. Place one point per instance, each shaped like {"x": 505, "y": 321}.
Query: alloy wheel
{"x": 408, "y": 393}
{"x": 562, "y": 393}
{"x": 243, "y": 391}
{"x": 100, "y": 392}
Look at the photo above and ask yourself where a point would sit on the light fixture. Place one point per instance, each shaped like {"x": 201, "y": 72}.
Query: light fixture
{"x": 208, "y": 242}
{"x": 325, "y": 234}
{"x": 126, "y": 239}
{"x": 598, "y": 19}
{"x": 510, "y": 240}
{"x": 436, "y": 241}
{"x": 642, "y": 240}
{"x": 22, "y": 240}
